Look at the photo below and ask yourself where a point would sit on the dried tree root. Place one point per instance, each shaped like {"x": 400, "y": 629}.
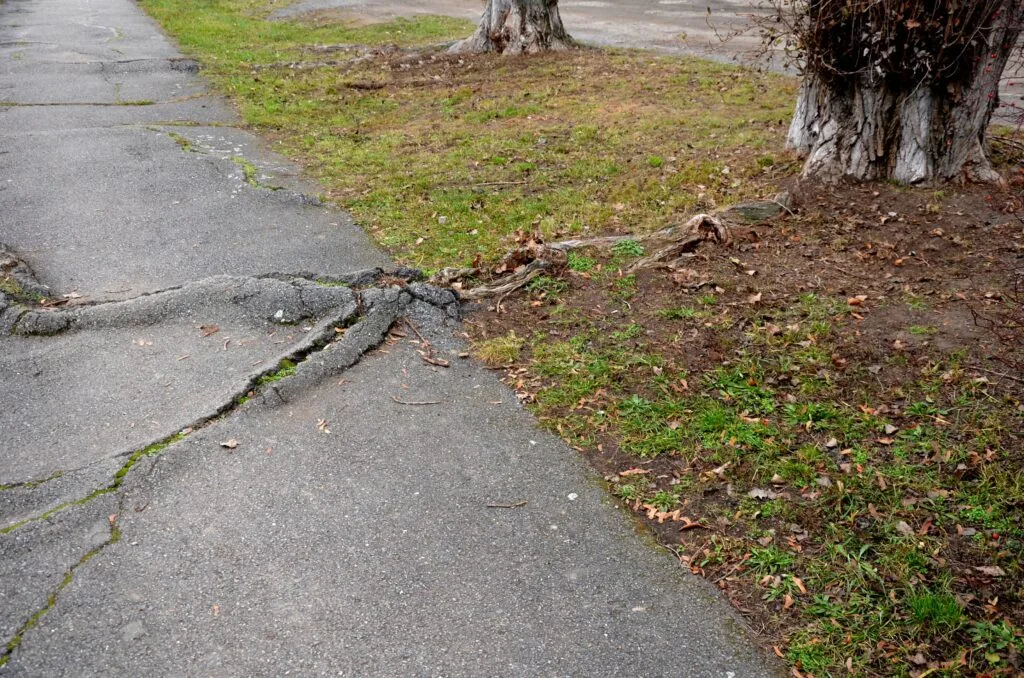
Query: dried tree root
{"x": 533, "y": 258}
{"x": 509, "y": 283}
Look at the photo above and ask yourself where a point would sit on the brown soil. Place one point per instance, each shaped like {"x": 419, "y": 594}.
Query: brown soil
{"x": 927, "y": 273}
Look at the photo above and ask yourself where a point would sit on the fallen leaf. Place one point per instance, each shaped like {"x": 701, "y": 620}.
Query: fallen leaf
{"x": 800, "y": 585}
{"x": 787, "y": 602}
{"x": 754, "y": 298}
{"x": 904, "y": 529}
{"x": 633, "y": 472}
{"x": 761, "y": 493}
{"x": 321, "y": 425}
{"x": 208, "y": 330}
{"x": 991, "y": 570}
{"x": 720, "y": 471}
{"x": 230, "y": 444}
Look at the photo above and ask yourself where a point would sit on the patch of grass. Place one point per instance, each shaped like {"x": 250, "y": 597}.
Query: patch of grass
{"x": 935, "y": 611}
{"x": 497, "y": 146}
{"x": 499, "y": 350}
{"x": 846, "y": 544}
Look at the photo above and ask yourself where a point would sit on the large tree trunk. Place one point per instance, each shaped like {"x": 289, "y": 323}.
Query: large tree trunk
{"x": 867, "y": 126}
{"x": 517, "y": 27}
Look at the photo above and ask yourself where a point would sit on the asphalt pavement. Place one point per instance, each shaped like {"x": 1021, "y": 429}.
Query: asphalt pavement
{"x": 222, "y": 450}
{"x": 720, "y": 29}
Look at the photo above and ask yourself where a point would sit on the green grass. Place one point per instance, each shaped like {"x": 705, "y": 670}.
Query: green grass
{"x": 877, "y": 499}
{"x": 564, "y": 143}
{"x": 499, "y": 350}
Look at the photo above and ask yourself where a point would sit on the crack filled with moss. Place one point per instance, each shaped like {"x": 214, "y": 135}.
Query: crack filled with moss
{"x": 51, "y": 600}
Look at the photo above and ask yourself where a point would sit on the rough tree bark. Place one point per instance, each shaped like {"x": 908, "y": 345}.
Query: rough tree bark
{"x": 870, "y": 126}
{"x": 517, "y": 27}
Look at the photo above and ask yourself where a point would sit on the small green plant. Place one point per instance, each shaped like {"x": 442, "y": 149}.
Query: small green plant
{"x": 631, "y": 331}
{"x": 770, "y": 560}
{"x": 916, "y": 303}
{"x": 627, "y": 491}
{"x": 664, "y": 500}
{"x": 580, "y": 263}
{"x": 285, "y": 369}
{"x": 679, "y": 313}
{"x": 547, "y": 287}
{"x": 628, "y": 248}
{"x": 995, "y": 638}
{"x": 655, "y": 161}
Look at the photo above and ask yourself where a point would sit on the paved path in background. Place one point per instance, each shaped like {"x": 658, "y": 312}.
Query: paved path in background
{"x": 678, "y": 26}
{"x": 671, "y": 25}
{"x": 312, "y": 520}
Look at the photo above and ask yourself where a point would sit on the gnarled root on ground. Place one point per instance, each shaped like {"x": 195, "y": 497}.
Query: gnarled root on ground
{"x": 533, "y": 257}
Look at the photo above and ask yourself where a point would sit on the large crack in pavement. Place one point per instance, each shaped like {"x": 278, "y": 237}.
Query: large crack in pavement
{"x": 350, "y": 314}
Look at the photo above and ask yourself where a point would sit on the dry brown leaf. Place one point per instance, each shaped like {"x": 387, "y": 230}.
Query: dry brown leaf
{"x": 230, "y": 444}
{"x": 208, "y": 330}
{"x": 991, "y": 570}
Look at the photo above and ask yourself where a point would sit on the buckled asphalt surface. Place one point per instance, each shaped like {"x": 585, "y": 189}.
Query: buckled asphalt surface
{"x": 343, "y": 530}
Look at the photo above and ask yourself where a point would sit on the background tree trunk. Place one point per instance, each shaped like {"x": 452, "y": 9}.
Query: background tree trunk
{"x": 867, "y": 126}
{"x": 517, "y": 27}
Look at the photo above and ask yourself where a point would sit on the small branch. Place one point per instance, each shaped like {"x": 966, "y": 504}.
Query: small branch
{"x": 518, "y": 504}
{"x": 502, "y": 183}
{"x": 733, "y": 569}
{"x": 1000, "y": 374}
{"x": 427, "y": 354}
{"x": 416, "y": 402}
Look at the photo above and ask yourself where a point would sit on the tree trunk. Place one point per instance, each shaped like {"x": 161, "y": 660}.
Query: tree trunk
{"x": 869, "y": 127}
{"x": 517, "y": 27}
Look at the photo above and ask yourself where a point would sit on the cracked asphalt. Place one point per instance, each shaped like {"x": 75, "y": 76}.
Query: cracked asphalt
{"x": 216, "y": 460}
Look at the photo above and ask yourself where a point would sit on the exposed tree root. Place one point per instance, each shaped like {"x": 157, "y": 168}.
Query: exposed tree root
{"x": 534, "y": 258}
